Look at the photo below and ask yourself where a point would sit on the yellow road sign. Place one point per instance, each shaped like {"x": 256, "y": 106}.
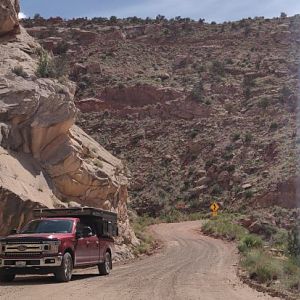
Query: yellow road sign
{"x": 214, "y": 207}
{"x": 214, "y": 213}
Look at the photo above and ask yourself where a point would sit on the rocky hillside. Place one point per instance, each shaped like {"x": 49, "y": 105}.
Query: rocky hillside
{"x": 46, "y": 160}
{"x": 196, "y": 111}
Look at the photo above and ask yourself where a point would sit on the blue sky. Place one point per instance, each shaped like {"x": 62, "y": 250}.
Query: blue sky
{"x": 211, "y": 10}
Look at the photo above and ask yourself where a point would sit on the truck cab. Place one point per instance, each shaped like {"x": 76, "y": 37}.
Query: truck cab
{"x": 59, "y": 240}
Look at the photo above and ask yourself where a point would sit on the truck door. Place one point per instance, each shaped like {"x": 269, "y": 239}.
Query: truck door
{"x": 94, "y": 249}
{"x": 82, "y": 255}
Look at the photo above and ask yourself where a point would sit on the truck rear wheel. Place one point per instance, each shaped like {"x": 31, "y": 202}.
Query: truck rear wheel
{"x": 6, "y": 277}
{"x": 64, "y": 273}
{"x": 105, "y": 267}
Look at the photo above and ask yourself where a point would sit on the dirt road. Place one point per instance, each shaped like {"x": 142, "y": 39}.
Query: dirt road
{"x": 191, "y": 266}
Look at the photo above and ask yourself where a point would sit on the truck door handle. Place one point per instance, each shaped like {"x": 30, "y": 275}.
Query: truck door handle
{"x": 87, "y": 242}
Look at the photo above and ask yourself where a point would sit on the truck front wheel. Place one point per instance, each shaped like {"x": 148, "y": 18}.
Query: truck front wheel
{"x": 64, "y": 273}
{"x": 6, "y": 277}
{"x": 105, "y": 267}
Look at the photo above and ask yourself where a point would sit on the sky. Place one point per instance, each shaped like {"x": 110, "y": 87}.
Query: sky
{"x": 210, "y": 10}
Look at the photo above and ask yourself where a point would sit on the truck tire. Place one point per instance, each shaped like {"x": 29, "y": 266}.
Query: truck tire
{"x": 105, "y": 267}
{"x": 64, "y": 272}
{"x": 6, "y": 277}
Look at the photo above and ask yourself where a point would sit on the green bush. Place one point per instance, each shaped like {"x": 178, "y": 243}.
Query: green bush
{"x": 280, "y": 239}
{"x": 262, "y": 267}
{"x": 264, "y": 103}
{"x": 224, "y": 227}
{"x": 248, "y": 82}
{"x": 274, "y": 126}
{"x": 19, "y": 71}
{"x": 248, "y": 194}
{"x": 140, "y": 225}
{"x": 217, "y": 68}
{"x": 216, "y": 190}
{"x": 285, "y": 93}
{"x": 197, "y": 92}
{"x": 61, "y": 48}
{"x": 294, "y": 242}
{"x": 49, "y": 67}
{"x": 236, "y": 136}
{"x": 248, "y": 138}
{"x": 43, "y": 69}
{"x": 250, "y": 241}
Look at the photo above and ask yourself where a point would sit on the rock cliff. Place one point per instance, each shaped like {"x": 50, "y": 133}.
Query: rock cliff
{"x": 45, "y": 160}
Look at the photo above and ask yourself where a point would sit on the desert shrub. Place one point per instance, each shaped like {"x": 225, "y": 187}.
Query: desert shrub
{"x": 274, "y": 126}
{"x": 224, "y": 227}
{"x": 285, "y": 93}
{"x": 216, "y": 190}
{"x": 294, "y": 242}
{"x": 230, "y": 168}
{"x": 227, "y": 155}
{"x": 247, "y": 93}
{"x": 140, "y": 225}
{"x": 113, "y": 19}
{"x": 193, "y": 133}
{"x": 236, "y": 136}
{"x": 49, "y": 67}
{"x": 283, "y": 15}
{"x": 229, "y": 61}
{"x": 173, "y": 216}
{"x": 248, "y": 194}
{"x": 37, "y": 16}
{"x": 61, "y": 48}
{"x": 197, "y": 92}
{"x": 248, "y": 138}
{"x": 44, "y": 65}
{"x": 280, "y": 239}
{"x": 262, "y": 267}
{"x": 210, "y": 162}
{"x": 250, "y": 241}
{"x": 217, "y": 68}
{"x": 264, "y": 103}
{"x": 19, "y": 71}
{"x": 248, "y": 82}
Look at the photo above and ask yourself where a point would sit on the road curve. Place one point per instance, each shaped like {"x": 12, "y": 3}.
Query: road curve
{"x": 191, "y": 266}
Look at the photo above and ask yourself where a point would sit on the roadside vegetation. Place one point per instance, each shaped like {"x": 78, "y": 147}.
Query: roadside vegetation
{"x": 273, "y": 260}
{"x": 49, "y": 66}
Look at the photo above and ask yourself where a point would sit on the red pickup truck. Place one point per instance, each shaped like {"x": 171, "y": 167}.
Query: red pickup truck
{"x": 59, "y": 240}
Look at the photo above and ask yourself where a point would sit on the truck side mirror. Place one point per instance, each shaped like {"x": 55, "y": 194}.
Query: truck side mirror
{"x": 13, "y": 231}
{"x": 79, "y": 234}
{"x": 87, "y": 231}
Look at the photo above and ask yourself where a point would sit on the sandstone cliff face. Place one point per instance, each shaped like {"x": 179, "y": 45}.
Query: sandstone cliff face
{"x": 45, "y": 160}
{"x": 9, "y": 10}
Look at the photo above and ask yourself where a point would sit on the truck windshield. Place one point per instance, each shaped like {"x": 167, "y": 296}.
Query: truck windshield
{"x": 49, "y": 226}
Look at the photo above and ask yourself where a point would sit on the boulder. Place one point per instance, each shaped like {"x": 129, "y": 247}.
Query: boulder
{"x": 203, "y": 180}
{"x": 9, "y": 21}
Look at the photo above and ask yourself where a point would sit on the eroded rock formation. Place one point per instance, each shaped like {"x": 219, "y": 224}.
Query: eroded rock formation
{"x": 9, "y": 10}
{"x": 45, "y": 160}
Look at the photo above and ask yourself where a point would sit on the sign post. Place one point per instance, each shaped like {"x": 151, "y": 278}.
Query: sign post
{"x": 214, "y": 209}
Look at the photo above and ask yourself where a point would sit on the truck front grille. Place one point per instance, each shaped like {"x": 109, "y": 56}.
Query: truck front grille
{"x": 22, "y": 254}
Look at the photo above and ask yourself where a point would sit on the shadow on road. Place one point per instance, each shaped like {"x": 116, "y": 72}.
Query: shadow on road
{"x": 42, "y": 280}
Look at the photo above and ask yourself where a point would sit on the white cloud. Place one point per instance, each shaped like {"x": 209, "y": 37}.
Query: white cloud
{"x": 22, "y": 15}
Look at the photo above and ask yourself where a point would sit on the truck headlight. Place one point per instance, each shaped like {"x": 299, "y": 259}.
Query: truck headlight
{"x": 51, "y": 247}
